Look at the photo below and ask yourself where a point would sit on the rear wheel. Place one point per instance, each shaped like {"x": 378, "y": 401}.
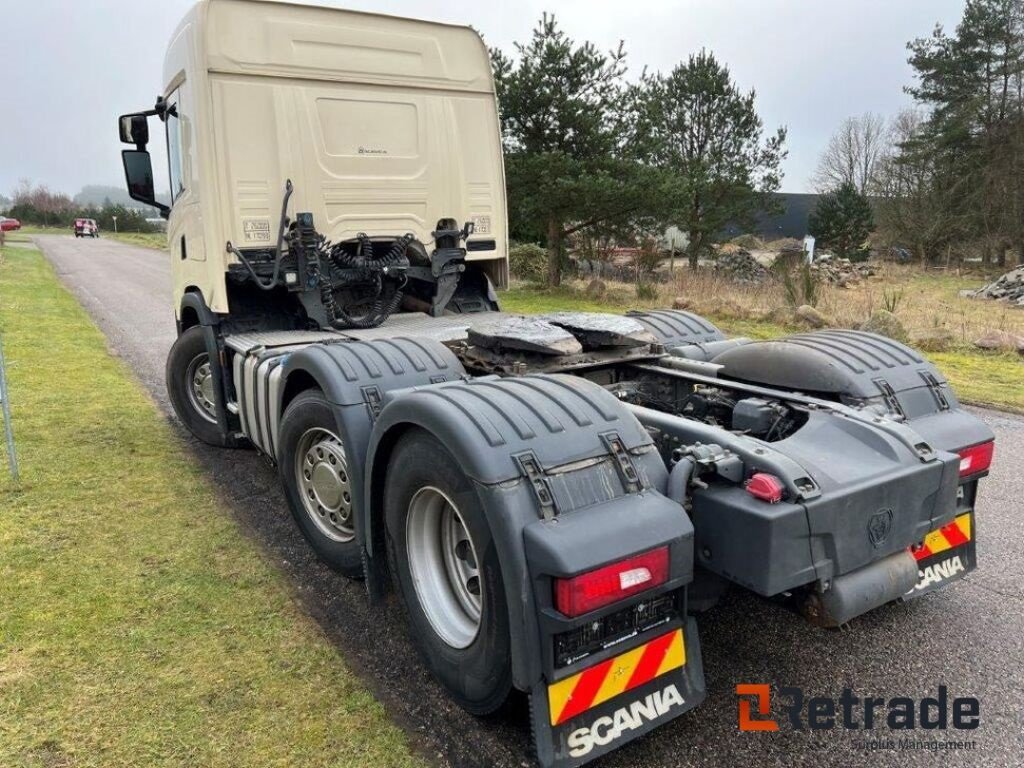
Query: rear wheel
{"x": 446, "y": 564}
{"x": 192, "y": 388}
{"x": 316, "y": 473}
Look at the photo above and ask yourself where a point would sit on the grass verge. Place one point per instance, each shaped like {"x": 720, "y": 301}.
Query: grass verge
{"x": 981, "y": 378}
{"x": 157, "y": 240}
{"x": 138, "y": 625}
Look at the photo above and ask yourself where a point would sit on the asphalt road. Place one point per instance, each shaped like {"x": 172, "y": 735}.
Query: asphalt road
{"x": 969, "y": 636}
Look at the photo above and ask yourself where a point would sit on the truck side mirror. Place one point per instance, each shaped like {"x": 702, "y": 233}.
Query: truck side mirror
{"x": 138, "y": 174}
{"x": 134, "y": 129}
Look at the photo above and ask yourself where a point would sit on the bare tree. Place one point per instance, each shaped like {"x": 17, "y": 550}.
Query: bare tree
{"x": 914, "y": 204}
{"x": 852, "y": 154}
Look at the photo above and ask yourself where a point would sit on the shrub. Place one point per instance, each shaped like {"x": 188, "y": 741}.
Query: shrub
{"x": 801, "y": 286}
{"x": 528, "y": 261}
{"x": 646, "y": 291}
{"x": 647, "y": 259}
{"x": 891, "y": 299}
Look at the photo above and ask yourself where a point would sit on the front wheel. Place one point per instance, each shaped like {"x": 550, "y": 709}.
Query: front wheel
{"x": 444, "y": 558}
{"x": 316, "y": 473}
{"x": 191, "y": 387}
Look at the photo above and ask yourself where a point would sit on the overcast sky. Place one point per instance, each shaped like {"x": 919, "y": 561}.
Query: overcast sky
{"x": 68, "y": 68}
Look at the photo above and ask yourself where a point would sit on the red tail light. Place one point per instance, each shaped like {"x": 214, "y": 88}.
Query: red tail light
{"x": 611, "y": 583}
{"x": 977, "y": 458}
{"x": 765, "y": 487}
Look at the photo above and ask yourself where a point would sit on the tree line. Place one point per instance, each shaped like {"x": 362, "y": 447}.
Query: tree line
{"x": 590, "y": 154}
{"x": 945, "y": 177}
{"x": 37, "y": 204}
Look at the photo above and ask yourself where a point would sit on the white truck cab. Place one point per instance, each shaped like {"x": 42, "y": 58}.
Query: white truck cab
{"x": 383, "y": 125}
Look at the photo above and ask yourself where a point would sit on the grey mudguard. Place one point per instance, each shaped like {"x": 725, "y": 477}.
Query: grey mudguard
{"x": 567, "y": 477}
{"x": 355, "y": 377}
{"x": 676, "y": 328}
{"x": 861, "y": 368}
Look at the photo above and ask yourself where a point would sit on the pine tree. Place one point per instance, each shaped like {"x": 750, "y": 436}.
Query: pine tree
{"x": 696, "y": 124}
{"x": 972, "y": 83}
{"x": 567, "y": 162}
{"x": 842, "y": 221}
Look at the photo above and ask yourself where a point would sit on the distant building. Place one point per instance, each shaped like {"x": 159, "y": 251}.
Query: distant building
{"x": 792, "y": 222}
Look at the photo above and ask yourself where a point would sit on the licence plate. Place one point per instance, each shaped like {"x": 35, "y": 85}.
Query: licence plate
{"x": 947, "y": 554}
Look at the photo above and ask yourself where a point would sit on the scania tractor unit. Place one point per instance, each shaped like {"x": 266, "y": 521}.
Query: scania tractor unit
{"x": 554, "y": 498}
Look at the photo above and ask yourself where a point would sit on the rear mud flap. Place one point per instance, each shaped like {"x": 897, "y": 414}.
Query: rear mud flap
{"x": 569, "y": 730}
{"x": 948, "y": 554}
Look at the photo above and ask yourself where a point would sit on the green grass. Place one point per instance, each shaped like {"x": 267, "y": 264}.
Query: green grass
{"x": 157, "y": 240}
{"x": 138, "y": 625}
{"x": 984, "y": 378}
{"x": 980, "y": 378}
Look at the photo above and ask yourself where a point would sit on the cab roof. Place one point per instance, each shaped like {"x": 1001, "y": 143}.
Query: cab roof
{"x": 278, "y": 39}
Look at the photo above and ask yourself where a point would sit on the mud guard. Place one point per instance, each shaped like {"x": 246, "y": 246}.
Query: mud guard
{"x": 569, "y": 481}
{"x": 355, "y": 376}
{"x": 507, "y": 436}
{"x": 675, "y": 328}
{"x": 661, "y": 694}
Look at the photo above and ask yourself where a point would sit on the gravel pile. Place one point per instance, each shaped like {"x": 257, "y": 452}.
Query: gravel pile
{"x": 841, "y": 271}
{"x": 1009, "y": 287}
{"x": 741, "y": 267}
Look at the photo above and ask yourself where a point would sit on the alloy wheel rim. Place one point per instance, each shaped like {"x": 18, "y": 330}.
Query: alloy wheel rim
{"x": 444, "y": 566}
{"x": 199, "y": 385}
{"x": 324, "y": 483}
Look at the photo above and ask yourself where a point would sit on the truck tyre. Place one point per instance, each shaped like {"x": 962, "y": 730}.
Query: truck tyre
{"x": 191, "y": 387}
{"x": 446, "y": 564}
{"x": 315, "y": 470}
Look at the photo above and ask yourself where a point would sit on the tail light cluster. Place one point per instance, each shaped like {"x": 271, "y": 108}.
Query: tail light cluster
{"x": 977, "y": 458}
{"x": 608, "y": 584}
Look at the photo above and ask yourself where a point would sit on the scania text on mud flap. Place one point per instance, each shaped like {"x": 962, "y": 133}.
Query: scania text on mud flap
{"x": 554, "y": 497}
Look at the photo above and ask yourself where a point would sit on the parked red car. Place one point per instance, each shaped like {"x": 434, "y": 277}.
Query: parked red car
{"x": 86, "y": 228}
{"x": 6, "y": 225}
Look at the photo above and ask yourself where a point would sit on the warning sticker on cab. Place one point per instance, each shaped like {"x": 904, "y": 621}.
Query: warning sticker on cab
{"x": 256, "y": 230}
{"x": 481, "y": 225}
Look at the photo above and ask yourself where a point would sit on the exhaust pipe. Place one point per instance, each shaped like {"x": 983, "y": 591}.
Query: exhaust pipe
{"x": 862, "y": 590}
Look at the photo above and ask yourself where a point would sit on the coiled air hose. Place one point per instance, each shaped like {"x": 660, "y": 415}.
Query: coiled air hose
{"x": 382, "y": 306}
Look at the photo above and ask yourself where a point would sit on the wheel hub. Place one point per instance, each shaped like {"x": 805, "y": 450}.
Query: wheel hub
{"x": 321, "y": 471}
{"x": 199, "y": 384}
{"x": 444, "y": 566}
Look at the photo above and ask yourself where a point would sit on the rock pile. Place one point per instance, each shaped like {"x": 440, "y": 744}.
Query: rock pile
{"x": 841, "y": 271}
{"x": 1009, "y": 287}
{"x": 740, "y": 267}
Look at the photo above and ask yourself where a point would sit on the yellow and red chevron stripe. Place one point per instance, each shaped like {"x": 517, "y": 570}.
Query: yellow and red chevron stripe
{"x": 947, "y": 537}
{"x": 596, "y": 685}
